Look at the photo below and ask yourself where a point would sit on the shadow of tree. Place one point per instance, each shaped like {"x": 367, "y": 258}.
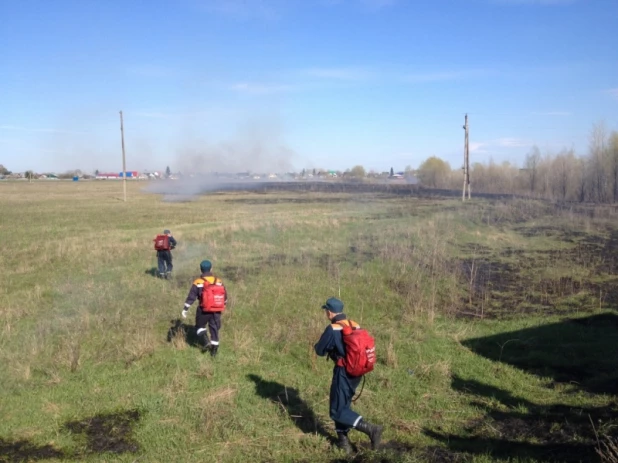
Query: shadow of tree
{"x": 555, "y": 432}
{"x": 580, "y": 351}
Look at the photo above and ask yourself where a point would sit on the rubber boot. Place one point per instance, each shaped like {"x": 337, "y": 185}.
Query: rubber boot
{"x": 373, "y": 431}
{"x": 205, "y": 342}
{"x": 344, "y": 443}
{"x": 214, "y": 350}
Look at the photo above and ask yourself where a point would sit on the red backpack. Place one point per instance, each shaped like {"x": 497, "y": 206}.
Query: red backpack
{"x": 360, "y": 350}
{"x": 213, "y": 296}
{"x": 162, "y": 243}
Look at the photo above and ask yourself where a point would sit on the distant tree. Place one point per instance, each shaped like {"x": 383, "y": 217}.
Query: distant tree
{"x": 29, "y": 175}
{"x": 408, "y": 169}
{"x": 314, "y": 172}
{"x": 613, "y": 155}
{"x": 4, "y": 170}
{"x": 357, "y": 172}
{"x": 168, "y": 172}
{"x": 392, "y": 172}
{"x": 303, "y": 173}
{"x": 96, "y": 172}
{"x": 533, "y": 158}
{"x": 434, "y": 172}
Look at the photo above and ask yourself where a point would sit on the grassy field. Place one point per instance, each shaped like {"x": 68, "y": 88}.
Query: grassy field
{"x": 495, "y": 323}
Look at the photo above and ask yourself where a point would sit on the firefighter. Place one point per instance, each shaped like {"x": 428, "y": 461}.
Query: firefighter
{"x": 212, "y": 296}
{"x": 343, "y": 386}
{"x": 164, "y": 255}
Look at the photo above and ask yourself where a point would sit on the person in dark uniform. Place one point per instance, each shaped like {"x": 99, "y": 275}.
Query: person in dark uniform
{"x": 343, "y": 386}
{"x": 164, "y": 257}
{"x": 207, "y": 314}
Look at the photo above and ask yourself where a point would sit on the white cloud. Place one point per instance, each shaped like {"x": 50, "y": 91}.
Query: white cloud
{"x": 148, "y": 114}
{"x": 497, "y": 144}
{"x": 477, "y": 147}
{"x": 553, "y": 113}
{"x": 244, "y": 9}
{"x": 27, "y": 129}
{"x": 344, "y": 73}
{"x": 152, "y": 71}
{"x": 378, "y": 4}
{"x": 534, "y": 2}
{"x": 442, "y": 76}
{"x": 512, "y": 142}
{"x": 256, "y": 88}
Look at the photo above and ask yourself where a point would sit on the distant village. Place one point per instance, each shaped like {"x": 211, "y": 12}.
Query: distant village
{"x": 356, "y": 173}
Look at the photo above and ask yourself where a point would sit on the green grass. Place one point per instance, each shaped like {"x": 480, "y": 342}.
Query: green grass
{"x": 83, "y": 325}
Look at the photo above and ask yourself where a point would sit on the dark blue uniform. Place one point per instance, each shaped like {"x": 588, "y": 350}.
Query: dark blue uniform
{"x": 343, "y": 386}
{"x": 164, "y": 259}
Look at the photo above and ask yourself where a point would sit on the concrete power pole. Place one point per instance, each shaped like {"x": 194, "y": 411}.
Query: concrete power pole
{"x": 466, "y": 167}
{"x": 124, "y": 166}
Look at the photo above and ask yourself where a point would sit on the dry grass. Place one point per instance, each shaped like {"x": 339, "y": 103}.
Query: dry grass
{"x": 607, "y": 448}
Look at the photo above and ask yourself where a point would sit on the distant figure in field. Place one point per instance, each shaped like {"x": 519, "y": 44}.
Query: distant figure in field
{"x": 212, "y": 296}
{"x": 349, "y": 368}
{"x": 163, "y": 245}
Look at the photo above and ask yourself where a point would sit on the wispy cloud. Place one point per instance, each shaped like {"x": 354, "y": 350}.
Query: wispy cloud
{"x": 152, "y": 70}
{"x": 534, "y": 2}
{"x": 552, "y": 113}
{"x": 613, "y": 92}
{"x": 378, "y": 4}
{"x": 244, "y": 9}
{"x": 257, "y": 88}
{"x": 510, "y": 142}
{"x": 442, "y": 76}
{"x": 28, "y": 129}
{"x": 498, "y": 143}
{"x": 343, "y": 73}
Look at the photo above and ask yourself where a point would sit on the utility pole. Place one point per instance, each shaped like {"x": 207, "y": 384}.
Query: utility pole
{"x": 466, "y": 167}
{"x": 124, "y": 166}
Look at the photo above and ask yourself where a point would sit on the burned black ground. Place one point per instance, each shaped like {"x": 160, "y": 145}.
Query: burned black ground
{"x": 106, "y": 432}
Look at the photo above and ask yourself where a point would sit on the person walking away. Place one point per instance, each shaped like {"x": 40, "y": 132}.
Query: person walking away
{"x": 343, "y": 385}
{"x": 210, "y": 291}
{"x": 163, "y": 245}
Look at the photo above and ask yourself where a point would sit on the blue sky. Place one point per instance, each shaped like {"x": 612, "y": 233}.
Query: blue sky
{"x": 277, "y": 84}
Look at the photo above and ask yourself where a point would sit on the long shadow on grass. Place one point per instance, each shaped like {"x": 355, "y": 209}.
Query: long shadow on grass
{"x": 178, "y": 329}
{"x": 296, "y": 408}
{"x": 521, "y": 428}
{"x": 579, "y": 351}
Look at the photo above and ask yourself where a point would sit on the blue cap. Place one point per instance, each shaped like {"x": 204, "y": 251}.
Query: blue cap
{"x": 166, "y": 231}
{"x": 334, "y": 305}
{"x": 205, "y": 266}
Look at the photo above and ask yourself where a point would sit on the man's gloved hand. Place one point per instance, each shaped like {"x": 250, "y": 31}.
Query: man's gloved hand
{"x": 184, "y": 313}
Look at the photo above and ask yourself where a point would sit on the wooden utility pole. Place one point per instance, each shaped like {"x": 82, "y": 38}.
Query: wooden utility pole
{"x": 466, "y": 167}
{"x": 124, "y": 166}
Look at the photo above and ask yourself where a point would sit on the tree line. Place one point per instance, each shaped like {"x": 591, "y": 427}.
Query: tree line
{"x": 564, "y": 176}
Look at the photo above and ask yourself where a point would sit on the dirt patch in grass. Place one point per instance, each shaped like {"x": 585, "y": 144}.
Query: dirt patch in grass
{"x": 112, "y": 432}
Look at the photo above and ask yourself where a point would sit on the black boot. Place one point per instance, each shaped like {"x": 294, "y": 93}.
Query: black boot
{"x": 344, "y": 443}
{"x": 214, "y": 350}
{"x": 203, "y": 339}
{"x": 373, "y": 431}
